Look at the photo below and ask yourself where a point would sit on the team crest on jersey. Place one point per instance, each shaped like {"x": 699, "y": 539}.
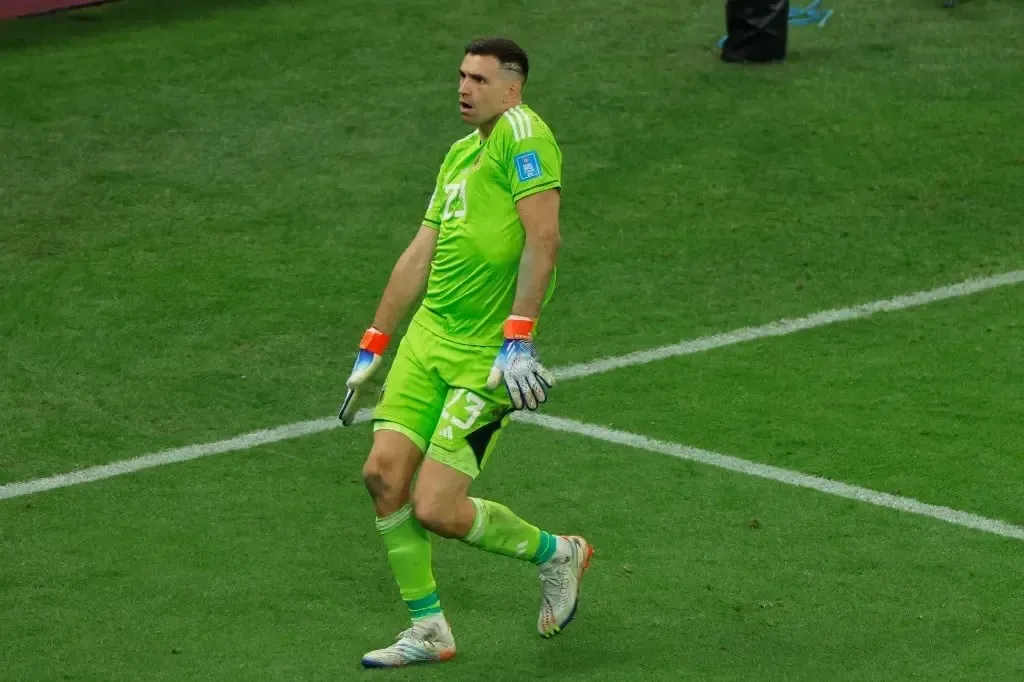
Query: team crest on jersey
{"x": 527, "y": 166}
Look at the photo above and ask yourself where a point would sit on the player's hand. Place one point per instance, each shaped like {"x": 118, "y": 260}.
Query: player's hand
{"x": 371, "y": 348}
{"x": 518, "y": 363}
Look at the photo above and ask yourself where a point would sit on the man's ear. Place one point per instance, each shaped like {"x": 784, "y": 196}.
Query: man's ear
{"x": 514, "y": 91}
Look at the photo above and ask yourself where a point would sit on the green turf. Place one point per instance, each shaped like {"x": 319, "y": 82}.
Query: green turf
{"x": 924, "y": 403}
{"x": 207, "y": 208}
{"x": 265, "y": 565}
{"x": 203, "y": 200}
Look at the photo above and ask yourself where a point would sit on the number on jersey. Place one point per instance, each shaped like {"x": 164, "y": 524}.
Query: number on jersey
{"x": 455, "y": 203}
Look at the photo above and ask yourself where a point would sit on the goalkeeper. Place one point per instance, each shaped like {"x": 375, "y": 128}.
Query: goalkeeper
{"x": 485, "y": 253}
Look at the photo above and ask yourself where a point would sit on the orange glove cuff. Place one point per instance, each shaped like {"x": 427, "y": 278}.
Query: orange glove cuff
{"x": 375, "y": 341}
{"x": 517, "y": 327}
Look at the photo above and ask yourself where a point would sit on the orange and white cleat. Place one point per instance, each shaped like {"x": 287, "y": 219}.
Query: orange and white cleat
{"x": 428, "y": 641}
{"x": 561, "y": 578}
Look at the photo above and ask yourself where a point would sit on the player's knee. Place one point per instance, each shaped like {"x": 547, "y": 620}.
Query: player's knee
{"x": 431, "y": 511}
{"x": 389, "y": 469}
{"x": 424, "y": 508}
{"x": 384, "y": 479}
{"x": 373, "y": 477}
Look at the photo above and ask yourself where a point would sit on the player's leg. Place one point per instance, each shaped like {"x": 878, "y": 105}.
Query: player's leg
{"x": 466, "y": 435}
{"x": 408, "y": 409}
{"x": 388, "y": 474}
{"x": 443, "y": 505}
{"x": 388, "y": 470}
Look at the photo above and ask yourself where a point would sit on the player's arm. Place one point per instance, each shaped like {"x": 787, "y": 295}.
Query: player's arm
{"x": 539, "y": 215}
{"x": 407, "y": 281}
{"x": 404, "y": 287}
{"x": 518, "y": 364}
{"x": 534, "y": 171}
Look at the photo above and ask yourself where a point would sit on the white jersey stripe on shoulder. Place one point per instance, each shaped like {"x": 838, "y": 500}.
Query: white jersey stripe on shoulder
{"x": 523, "y": 128}
{"x": 515, "y": 123}
{"x": 528, "y": 128}
{"x": 508, "y": 115}
{"x": 522, "y": 123}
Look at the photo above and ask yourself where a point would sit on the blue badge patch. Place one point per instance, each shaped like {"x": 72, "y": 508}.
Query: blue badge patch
{"x": 527, "y": 166}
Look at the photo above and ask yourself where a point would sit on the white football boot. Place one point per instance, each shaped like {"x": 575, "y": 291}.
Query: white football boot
{"x": 560, "y": 578}
{"x": 428, "y": 641}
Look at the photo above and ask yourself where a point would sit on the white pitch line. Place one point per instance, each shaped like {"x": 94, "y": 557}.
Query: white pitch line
{"x": 778, "y": 328}
{"x": 155, "y": 459}
{"x": 795, "y": 478}
{"x": 784, "y": 327}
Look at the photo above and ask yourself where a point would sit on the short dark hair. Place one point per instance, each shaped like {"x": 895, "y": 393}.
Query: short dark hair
{"x": 510, "y": 56}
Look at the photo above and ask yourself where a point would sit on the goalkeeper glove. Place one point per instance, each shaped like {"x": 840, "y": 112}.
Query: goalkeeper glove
{"x": 526, "y": 380}
{"x": 371, "y": 348}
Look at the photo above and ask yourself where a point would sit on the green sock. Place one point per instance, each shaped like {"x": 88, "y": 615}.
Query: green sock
{"x": 496, "y": 529}
{"x": 409, "y": 556}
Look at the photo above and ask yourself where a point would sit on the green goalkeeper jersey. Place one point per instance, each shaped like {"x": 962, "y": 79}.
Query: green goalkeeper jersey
{"x": 472, "y": 283}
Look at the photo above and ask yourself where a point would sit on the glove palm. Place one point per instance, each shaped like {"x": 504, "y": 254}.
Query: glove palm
{"x": 518, "y": 363}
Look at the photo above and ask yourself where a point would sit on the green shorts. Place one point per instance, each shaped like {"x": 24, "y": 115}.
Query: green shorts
{"x": 435, "y": 393}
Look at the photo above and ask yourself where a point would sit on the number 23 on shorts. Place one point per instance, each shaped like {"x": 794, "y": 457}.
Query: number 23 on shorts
{"x": 461, "y": 417}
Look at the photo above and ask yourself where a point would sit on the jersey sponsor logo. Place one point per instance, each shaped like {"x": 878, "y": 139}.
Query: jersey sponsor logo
{"x": 527, "y": 166}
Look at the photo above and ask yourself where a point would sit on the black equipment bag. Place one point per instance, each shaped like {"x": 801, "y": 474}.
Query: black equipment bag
{"x": 756, "y": 30}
